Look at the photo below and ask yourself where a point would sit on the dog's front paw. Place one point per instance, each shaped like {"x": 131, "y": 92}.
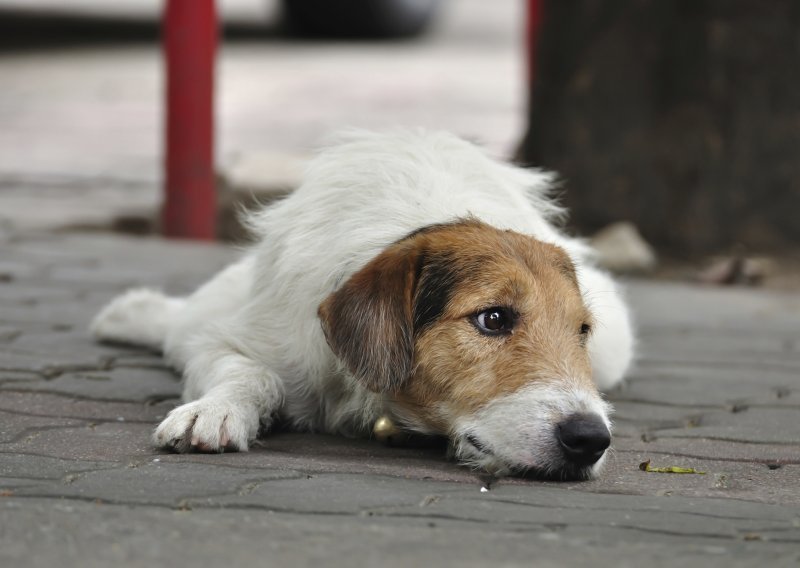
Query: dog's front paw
{"x": 208, "y": 425}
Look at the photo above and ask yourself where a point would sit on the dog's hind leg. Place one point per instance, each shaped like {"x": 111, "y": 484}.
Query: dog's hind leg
{"x": 141, "y": 317}
{"x": 148, "y": 317}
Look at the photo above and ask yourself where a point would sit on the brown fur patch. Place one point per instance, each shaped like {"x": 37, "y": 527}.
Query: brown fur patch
{"x": 367, "y": 322}
{"x": 405, "y": 323}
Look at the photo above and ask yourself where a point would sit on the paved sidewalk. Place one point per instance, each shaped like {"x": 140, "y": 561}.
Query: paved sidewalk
{"x": 717, "y": 388}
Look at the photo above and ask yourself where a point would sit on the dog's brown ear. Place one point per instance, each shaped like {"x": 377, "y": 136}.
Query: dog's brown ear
{"x": 368, "y": 321}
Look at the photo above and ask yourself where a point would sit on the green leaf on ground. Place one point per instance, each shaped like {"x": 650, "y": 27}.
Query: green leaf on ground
{"x": 645, "y": 466}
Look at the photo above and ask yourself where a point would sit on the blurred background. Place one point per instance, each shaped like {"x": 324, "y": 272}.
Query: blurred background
{"x": 675, "y": 125}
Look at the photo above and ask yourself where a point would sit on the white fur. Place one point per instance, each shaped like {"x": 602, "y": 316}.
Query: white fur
{"x": 249, "y": 342}
{"x": 520, "y": 428}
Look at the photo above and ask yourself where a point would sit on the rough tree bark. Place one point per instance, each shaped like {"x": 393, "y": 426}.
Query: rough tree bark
{"x": 680, "y": 115}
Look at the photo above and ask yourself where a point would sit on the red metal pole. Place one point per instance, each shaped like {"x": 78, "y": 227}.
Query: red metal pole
{"x": 533, "y": 25}
{"x": 190, "y": 43}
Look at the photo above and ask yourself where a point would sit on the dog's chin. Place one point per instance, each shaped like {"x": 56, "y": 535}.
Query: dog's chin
{"x": 482, "y": 460}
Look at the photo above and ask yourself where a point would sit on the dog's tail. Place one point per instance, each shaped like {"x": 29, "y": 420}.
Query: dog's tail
{"x": 140, "y": 317}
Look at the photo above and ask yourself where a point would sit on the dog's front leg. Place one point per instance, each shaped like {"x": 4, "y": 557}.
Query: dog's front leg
{"x": 230, "y": 394}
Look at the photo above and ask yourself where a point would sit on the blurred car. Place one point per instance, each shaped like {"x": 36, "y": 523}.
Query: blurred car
{"x": 359, "y": 18}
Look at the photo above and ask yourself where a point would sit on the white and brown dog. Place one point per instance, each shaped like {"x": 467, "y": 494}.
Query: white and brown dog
{"x": 409, "y": 276}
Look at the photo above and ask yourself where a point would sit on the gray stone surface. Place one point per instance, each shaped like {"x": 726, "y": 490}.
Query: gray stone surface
{"x": 716, "y": 389}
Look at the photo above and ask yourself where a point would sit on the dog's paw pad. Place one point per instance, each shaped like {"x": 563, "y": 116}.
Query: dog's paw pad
{"x": 208, "y": 426}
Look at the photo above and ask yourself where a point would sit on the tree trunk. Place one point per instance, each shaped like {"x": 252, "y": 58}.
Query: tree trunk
{"x": 682, "y": 116}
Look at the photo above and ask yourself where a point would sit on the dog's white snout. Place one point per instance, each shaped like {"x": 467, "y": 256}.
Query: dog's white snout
{"x": 557, "y": 430}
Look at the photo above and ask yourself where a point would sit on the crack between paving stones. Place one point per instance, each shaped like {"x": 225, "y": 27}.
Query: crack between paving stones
{"x": 196, "y": 500}
{"x": 703, "y": 364}
{"x": 723, "y": 407}
{"x": 738, "y": 536}
{"x": 48, "y": 456}
{"x": 51, "y": 372}
{"x": 89, "y": 420}
{"x": 733, "y": 440}
{"x": 181, "y": 503}
{"x": 637, "y": 510}
{"x": 724, "y": 333}
{"x": 18, "y": 370}
{"x": 440, "y": 516}
{"x": 187, "y": 458}
{"x": 228, "y": 465}
{"x": 156, "y": 398}
{"x": 153, "y": 367}
{"x": 710, "y": 458}
{"x": 614, "y": 400}
{"x": 721, "y": 497}
{"x": 34, "y": 429}
{"x": 548, "y": 525}
{"x": 63, "y": 478}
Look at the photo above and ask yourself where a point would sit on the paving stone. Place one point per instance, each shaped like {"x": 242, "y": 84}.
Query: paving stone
{"x": 314, "y": 454}
{"x": 157, "y": 483}
{"x": 708, "y": 387}
{"x": 73, "y": 314}
{"x": 65, "y": 344}
{"x": 76, "y": 420}
{"x": 683, "y": 307}
{"x": 37, "y": 467}
{"x": 15, "y": 427}
{"x": 91, "y": 535}
{"x": 521, "y": 506}
{"x": 122, "y": 384}
{"x": 11, "y": 270}
{"x": 66, "y": 406}
{"x": 9, "y": 377}
{"x": 9, "y": 333}
{"x": 724, "y": 479}
{"x": 715, "y": 449}
{"x": 117, "y": 441}
{"x": 32, "y": 294}
{"x": 760, "y": 425}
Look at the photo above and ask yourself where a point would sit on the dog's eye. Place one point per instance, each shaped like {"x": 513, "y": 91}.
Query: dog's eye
{"x": 585, "y": 330}
{"x": 494, "y": 321}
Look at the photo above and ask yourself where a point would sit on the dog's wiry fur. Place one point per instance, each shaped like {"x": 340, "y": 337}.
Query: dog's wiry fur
{"x": 359, "y": 300}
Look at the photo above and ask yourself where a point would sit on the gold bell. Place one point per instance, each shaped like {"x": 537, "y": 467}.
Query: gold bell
{"x": 384, "y": 429}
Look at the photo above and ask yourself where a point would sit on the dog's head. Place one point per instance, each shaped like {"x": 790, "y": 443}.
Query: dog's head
{"x": 480, "y": 335}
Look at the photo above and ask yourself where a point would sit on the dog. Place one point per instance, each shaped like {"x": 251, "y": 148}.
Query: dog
{"x": 409, "y": 276}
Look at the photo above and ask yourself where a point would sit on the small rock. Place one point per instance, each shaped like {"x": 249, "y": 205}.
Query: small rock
{"x": 620, "y": 248}
{"x": 722, "y": 481}
{"x": 734, "y": 270}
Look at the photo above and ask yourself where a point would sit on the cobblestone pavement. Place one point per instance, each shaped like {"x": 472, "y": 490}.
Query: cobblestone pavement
{"x": 717, "y": 388}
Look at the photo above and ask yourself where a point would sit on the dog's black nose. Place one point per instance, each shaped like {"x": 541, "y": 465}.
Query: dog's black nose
{"x": 583, "y": 438}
